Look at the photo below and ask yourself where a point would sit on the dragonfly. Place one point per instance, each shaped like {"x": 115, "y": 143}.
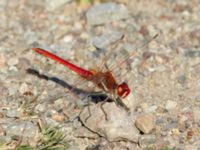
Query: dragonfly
{"x": 104, "y": 80}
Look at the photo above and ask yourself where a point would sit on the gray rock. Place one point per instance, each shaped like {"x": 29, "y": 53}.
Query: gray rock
{"x": 171, "y": 126}
{"x": 161, "y": 120}
{"x": 3, "y": 90}
{"x": 52, "y": 5}
{"x": 5, "y": 139}
{"x": 182, "y": 79}
{"x": 146, "y": 140}
{"x": 24, "y": 129}
{"x": 107, "y": 12}
{"x": 24, "y": 63}
{"x": 192, "y": 54}
{"x": 120, "y": 125}
{"x": 106, "y": 39}
{"x": 13, "y": 113}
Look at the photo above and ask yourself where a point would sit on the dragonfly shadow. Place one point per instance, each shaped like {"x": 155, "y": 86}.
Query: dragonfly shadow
{"x": 94, "y": 97}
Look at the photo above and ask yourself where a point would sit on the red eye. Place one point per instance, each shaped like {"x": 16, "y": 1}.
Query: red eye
{"x": 123, "y": 90}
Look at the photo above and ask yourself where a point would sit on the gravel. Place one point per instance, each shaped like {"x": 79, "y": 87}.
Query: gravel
{"x": 105, "y": 13}
{"x": 163, "y": 75}
{"x": 106, "y": 39}
{"x": 23, "y": 128}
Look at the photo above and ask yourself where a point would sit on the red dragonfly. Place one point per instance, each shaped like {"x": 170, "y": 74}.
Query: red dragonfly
{"x": 103, "y": 79}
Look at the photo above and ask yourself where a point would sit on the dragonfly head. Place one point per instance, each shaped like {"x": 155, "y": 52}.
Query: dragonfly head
{"x": 123, "y": 90}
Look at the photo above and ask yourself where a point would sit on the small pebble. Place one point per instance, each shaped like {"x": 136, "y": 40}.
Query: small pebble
{"x": 13, "y": 61}
{"x": 58, "y": 117}
{"x": 2, "y": 132}
{"x": 23, "y": 88}
{"x": 13, "y": 113}
{"x": 23, "y": 129}
{"x": 106, "y": 39}
{"x": 24, "y": 63}
{"x": 2, "y": 59}
{"x": 3, "y": 90}
{"x": 52, "y": 5}
{"x": 106, "y": 12}
{"x": 170, "y": 105}
{"x": 68, "y": 38}
{"x": 146, "y": 140}
{"x": 161, "y": 110}
{"x": 196, "y": 111}
{"x": 145, "y": 123}
{"x": 151, "y": 109}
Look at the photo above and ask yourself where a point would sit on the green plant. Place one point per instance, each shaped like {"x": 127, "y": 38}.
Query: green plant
{"x": 167, "y": 148}
{"x": 52, "y": 139}
{"x": 85, "y": 1}
{"x": 153, "y": 148}
{"x": 150, "y": 148}
{"x": 25, "y": 147}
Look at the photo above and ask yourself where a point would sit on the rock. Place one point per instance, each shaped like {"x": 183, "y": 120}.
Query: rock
{"x": 23, "y": 88}
{"x": 170, "y": 105}
{"x": 144, "y": 31}
{"x": 2, "y": 59}
{"x": 35, "y": 3}
{"x": 144, "y": 107}
{"x": 148, "y": 109}
{"x": 58, "y": 117}
{"x": 52, "y": 5}
{"x": 106, "y": 39}
{"x": 13, "y": 113}
{"x": 5, "y": 139}
{"x": 13, "y": 69}
{"x": 196, "y": 112}
{"x": 171, "y": 126}
{"x": 68, "y": 38}
{"x": 13, "y": 61}
{"x": 24, "y": 63}
{"x": 129, "y": 47}
{"x": 146, "y": 140}
{"x": 23, "y": 129}
{"x": 107, "y": 12}
{"x": 3, "y": 90}
{"x": 119, "y": 125}
{"x": 2, "y": 132}
{"x": 192, "y": 54}
{"x": 40, "y": 108}
{"x": 182, "y": 79}
{"x": 151, "y": 109}
{"x": 145, "y": 123}
{"x": 161, "y": 144}
{"x": 161, "y": 110}
{"x": 161, "y": 121}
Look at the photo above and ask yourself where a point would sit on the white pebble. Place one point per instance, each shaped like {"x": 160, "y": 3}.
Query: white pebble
{"x": 170, "y": 105}
{"x": 13, "y": 61}
{"x": 23, "y": 88}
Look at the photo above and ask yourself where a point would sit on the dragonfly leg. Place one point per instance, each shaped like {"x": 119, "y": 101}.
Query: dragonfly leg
{"x": 119, "y": 102}
{"x": 101, "y": 107}
{"x": 104, "y": 112}
{"x": 99, "y": 93}
{"x": 88, "y": 108}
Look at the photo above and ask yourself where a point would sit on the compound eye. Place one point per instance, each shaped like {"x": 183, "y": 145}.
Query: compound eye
{"x": 123, "y": 90}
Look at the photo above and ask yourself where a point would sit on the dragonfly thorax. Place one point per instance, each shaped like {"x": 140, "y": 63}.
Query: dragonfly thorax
{"x": 107, "y": 82}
